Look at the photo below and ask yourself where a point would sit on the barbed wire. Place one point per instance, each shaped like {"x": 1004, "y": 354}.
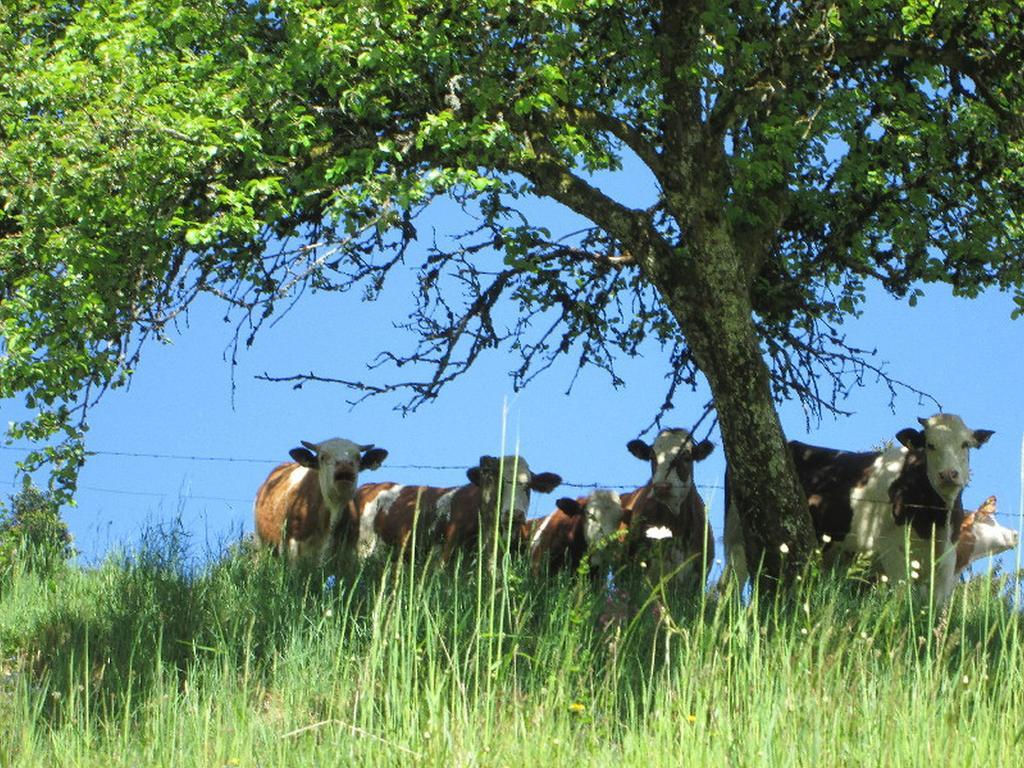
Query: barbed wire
{"x": 437, "y": 467}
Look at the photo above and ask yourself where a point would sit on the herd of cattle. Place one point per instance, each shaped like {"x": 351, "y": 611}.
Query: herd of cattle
{"x": 901, "y": 507}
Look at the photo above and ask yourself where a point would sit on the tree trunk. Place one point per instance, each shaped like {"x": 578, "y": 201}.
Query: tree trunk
{"x": 714, "y": 310}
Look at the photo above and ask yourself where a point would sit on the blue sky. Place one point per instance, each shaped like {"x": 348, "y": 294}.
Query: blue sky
{"x": 967, "y": 354}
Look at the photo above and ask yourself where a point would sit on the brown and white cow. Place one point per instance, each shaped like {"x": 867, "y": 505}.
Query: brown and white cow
{"x": 669, "y": 506}
{"x": 300, "y": 505}
{"x": 981, "y": 536}
{"x": 574, "y": 530}
{"x": 498, "y": 494}
{"x": 874, "y": 503}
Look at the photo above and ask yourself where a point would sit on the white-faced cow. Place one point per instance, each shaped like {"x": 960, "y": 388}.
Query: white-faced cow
{"x": 981, "y": 536}
{"x": 300, "y": 505}
{"x": 575, "y": 529}
{"x": 498, "y": 494}
{"x": 669, "y": 507}
{"x": 876, "y": 503}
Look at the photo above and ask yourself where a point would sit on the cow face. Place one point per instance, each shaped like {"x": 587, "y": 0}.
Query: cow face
{"x": 671, "y": 458}
{"x": 945, "y": 442}
{"x": 603, "y": 514}
{"x": 337, "y": 463}
{"x": 505, "y": 486}
{"x": 981, "y": 535}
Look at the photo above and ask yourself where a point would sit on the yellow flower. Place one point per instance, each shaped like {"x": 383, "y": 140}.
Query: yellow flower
{"x": 691, "y": 718}
{"x": 577, "y": 708}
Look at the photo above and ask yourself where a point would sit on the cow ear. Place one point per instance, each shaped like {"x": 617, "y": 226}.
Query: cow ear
{"x": 911, "y": 438}
{"x": 305, "y": 458}
{"x": 640, "y": 449}
{"x": 571, "y": 507}
{"x": 473, "y": 473}
{"x": 702, "y": 450}
{"x": 981, "y": 436}
{"x": 373, "y": 458}
{"x": 545, "y": 482}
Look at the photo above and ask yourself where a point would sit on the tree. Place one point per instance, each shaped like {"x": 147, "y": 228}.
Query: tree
{"x": 155, "y": 151}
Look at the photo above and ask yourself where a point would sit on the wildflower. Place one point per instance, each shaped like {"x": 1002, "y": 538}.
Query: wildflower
{"x": 577, "y": 708}
{"x": 329, "y": 582}
{"x": 914, "y": 575}
{"x": 967, "y": 679}
{"x": 691, "y": 718}
{"x": 784, "y": 548}
{"x": 915, "y": 565}
{"x": 803, "y": 630}
{"x": 883, "y": 578}
{"x": 825, "y": 538}
{"x": 659, "y": 532}
{"x": 329, "y": 612}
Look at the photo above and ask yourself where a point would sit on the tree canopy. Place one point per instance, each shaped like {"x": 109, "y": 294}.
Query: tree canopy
{"x": 155, "y": 150}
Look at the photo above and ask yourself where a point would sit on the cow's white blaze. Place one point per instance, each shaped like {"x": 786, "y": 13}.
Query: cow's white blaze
{"x": 982, "y": 536}
{"x": 368, "y": 538}
{"x": 505, "y": 490}
{"x": 604, "y": 513}
{"x": 669, "y": 486}
{"x": 947, "y": 442}
{"x": 338, "y": 468}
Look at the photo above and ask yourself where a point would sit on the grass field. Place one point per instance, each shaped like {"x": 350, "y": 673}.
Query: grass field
{"x": 149, "y": 661}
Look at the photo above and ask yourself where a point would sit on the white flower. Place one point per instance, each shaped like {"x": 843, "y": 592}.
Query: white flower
{"x": 914, "y": 564}
{"x": 784, "y": 548}
{"x": 825, "y": 538}
{"x": 883, "y": 578}
{"x": 915, "y": 575}
{"x": 659, "y": 532}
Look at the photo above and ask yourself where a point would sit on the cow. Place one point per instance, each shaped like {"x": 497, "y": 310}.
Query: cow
{"x": 498, "y": 495}
{"x": 872, "y": 503}
{"x": 573, "y": 530}
{"x": 981, "y": 536}
{"x": 669, "y": 506}
{"x": 300, "y": 505}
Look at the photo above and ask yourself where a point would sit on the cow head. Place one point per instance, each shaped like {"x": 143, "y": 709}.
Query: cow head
{"x": 505, "y": 486}
{"x": 671, "y": 458}
{"x": 602, "y": 511}
{"x": 981, "y": 535}
{"x": 944, "y": 443}
{"x": 337, "y": 463}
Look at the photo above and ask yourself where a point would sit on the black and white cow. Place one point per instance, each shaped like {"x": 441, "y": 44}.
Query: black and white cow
{"x": 669, "y": 506}
{"x": 876, "y": 503}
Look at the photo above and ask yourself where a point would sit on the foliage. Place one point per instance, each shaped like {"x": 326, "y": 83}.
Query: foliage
{"x": 156, "y": 150}
{"x": 32, "y": 533}
{"x": 149, "y": 659}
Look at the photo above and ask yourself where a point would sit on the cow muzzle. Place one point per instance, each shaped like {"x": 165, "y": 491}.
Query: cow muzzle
{"x": 344, "y": 476}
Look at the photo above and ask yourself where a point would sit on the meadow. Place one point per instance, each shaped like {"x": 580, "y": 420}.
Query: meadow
{"x": 150, "y": 659}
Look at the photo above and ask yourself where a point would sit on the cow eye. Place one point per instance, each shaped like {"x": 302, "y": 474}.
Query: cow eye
{"x": 930, "y": 446}
{"x": 966, "y": 445}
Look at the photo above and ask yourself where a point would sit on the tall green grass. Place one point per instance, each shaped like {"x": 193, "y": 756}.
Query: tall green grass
{"x": 148, "y": 660}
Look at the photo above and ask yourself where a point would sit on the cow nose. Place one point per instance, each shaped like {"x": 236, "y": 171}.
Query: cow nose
{"x": 949, "y": 476}
{"x": 344, "y": 475}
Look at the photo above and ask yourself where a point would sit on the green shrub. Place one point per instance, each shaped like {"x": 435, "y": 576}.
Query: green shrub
{"x": 32, "y": 534}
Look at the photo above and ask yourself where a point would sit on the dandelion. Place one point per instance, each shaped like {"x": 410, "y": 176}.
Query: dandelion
{"x": 691, "y": 718}
{"x": 577, "y": 708}
{"x": 658, "y": 532}
{"x": 784, "y": 548}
